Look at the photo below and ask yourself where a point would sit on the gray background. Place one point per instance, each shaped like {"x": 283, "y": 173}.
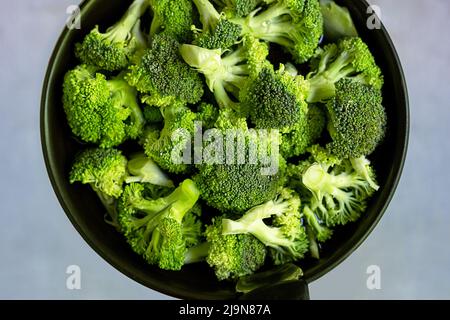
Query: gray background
{"x": 410, "y": 245}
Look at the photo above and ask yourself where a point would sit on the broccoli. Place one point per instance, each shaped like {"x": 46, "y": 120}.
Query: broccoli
{"x": 207, "y": 114}
{"x": 285, "y": 236}
{"x": 338, "y": 193}
{"x": 337, "y": 21}
{"x": 231, "y": 256}
{"x": 239, "y": 8}
{"x": 144, "y": 170}
{"x": 236, "y": 187}
{"x": 154, "y": 228}
{"x": 304, "y": 133}
{"x": 240, "y": 182}
{"x": 217, "y": 32}
{"x": 101, "y": 111}
{"x": 163, "y": 77}
{"x": 161, "y": 146}
{"x": 107, "y": 169}
{"x": 104, "y": 169}
{"x": 296, "y": 25}
{"x": 349, "y": 58}
{"x": 226, "y": 73}
{"x": 275, "y": 100}
{"x": 357, "y": 119}
{"x": 113, "y": 50}
{"x": 173, "y": 17}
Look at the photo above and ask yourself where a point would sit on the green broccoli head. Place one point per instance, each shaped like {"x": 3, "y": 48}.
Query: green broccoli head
{"x": 349, "y": 58}
{"x": 226, "y": 72}
{"x": 304, "y": 133}
{"x": 217, "y": 32}
{"x": 103, "y": 169}
{"x": 233, "y": 256}
{"x": 113, "y": 50}
{"x": 285, "y": 235}
{"x": 163, "y": 77}
{"x": 172, "y": 17}
{"x": 166, "y": 147}
{"x": 357, "y": 119}
{"x": 296, "y": 25}
{"x": 275, "y": 100}
{"x": 101, "y": 111}
{"x": 236, "y": 188}
{"x": 154, "y": 227}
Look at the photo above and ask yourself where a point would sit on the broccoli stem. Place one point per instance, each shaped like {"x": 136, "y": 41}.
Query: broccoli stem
{"x": 144, "y": 170}
{"x": 120, "y": 31}
{"x": 322, "y": 233}
{"x": 361, "y": 166}
{"x": 209, "y": 17}
{"x": 313, "y": 246}
{"x": 197, "y": 253}
{"x": 269, "y": 236}
{"x": 265, "y": 23}
{"x": 253, "y": 222}
{"x": 317, "y": 178}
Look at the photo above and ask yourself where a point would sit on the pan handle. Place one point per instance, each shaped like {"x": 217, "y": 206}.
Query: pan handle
{"x": 287, "y": 290}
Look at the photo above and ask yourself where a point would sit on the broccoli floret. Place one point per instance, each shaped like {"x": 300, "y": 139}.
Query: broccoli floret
{"x": 285, "y": 236}
{"x": 104, "y": 169}
{"x": 144, "y": 170}
{"x": 236, "y": 187}
{"x": 217, "y": 32}
{"x": 338, "y": 194}
{"x": 275, "y": 100}
{"x": 357, "y": 119}
{"x": 114, "y": 49}
{"x": 239, "y": 8}
{"x": 304, "y": 133}
{"x": 231, "y": 256}
{"x": 152, "y": 114}
{"x": 101, "y": 111}
{"x": 173, "y": 17}
{"x": 173, "y": 139}
{"x": 163, "y": 77}
{"x": 226, "y": 73}
{"x": 154, "y": 228}
{"x": 207, "y": 114}
{"x": 296, "y": 25}
{"x": 337, "y": 21}
{"x": 350, "y": 58}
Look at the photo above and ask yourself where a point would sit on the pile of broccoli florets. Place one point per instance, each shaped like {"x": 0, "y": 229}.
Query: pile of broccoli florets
{"x": 149, "y": 86}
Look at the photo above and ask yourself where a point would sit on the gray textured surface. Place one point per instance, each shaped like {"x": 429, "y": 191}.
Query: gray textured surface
{"x": 410, "y": 244}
